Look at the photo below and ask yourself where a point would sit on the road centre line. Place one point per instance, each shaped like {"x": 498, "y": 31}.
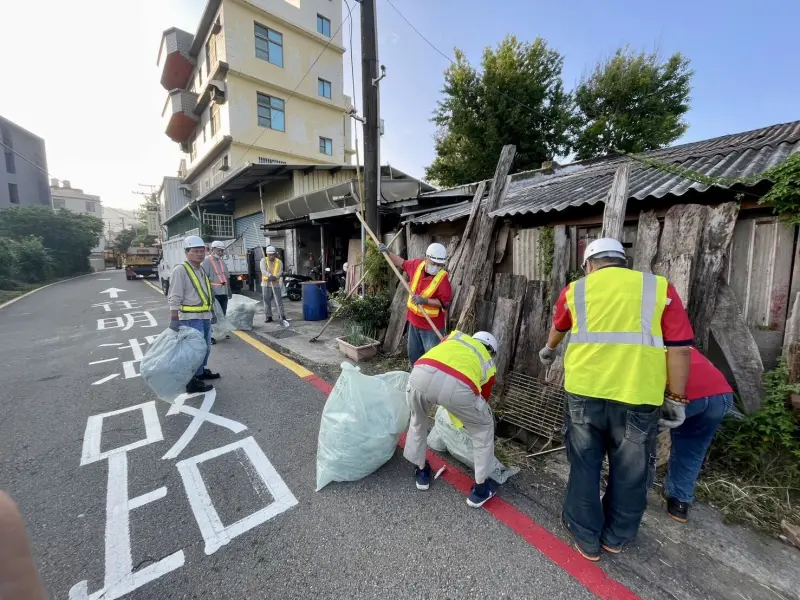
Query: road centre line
{"x": 590, "y": 575}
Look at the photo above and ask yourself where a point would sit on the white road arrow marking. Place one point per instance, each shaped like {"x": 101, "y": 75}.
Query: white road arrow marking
{"x": 112, "y": 292}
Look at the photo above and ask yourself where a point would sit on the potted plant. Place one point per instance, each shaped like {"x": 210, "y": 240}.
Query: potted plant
{"x": 357, "y": 344}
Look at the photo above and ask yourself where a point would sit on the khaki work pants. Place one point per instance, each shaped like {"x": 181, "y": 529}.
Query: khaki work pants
{"x": 430, "y": 386}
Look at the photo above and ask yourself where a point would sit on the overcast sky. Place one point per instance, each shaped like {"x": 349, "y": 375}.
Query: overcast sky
{"x": 85, "y": 77}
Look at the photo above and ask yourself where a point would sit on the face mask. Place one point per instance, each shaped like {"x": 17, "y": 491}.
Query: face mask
{"x": 432, "y": 269}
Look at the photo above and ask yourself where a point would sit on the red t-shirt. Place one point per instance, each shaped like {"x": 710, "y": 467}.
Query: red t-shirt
{"x": 444, "y": 294}
{"x": 675, "y": 326}
{"x": 705, "y": 379}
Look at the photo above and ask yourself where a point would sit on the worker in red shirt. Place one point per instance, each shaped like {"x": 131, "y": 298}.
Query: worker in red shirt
{"x": 430, "y": 293}
{"x": 710, "y": 398}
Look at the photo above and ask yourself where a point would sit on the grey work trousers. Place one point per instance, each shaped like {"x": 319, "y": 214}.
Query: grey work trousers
{"x": 269, "y": 303}
{"x": 429, "y": 386}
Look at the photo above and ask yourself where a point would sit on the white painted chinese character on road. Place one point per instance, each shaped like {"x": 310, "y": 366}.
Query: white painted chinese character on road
{"x": 118, "y": 305}
{"x": 128, "y": 366}
{"x": 125, "y": 322}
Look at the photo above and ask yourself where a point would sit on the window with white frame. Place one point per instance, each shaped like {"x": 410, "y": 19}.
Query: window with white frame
{"x": 269, "y": 45}
{"x": 326, "y": 146}
{"x": 220, "y": 225}
{"x": 214, "y": 120}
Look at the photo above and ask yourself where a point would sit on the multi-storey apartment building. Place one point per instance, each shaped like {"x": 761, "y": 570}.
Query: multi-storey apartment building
{"x": 23, "y": 171}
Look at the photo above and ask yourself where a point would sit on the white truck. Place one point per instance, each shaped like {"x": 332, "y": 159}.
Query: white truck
{"x": 235, "y": 257}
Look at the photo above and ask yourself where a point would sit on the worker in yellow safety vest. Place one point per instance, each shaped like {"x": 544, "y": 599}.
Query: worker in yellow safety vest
{"x": 619, "y": 389}
{"x": 430, "y": 293}
{"x": 458, "y": 374}
{"x": 190, "y": 303}
{"x": 271, "y": 273}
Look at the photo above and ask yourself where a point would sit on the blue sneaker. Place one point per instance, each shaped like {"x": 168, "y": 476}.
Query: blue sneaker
{"x": 481, "y": 493}
{"x": 423, "y": 477}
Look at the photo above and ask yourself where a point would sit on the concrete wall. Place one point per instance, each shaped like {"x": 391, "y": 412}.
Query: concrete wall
{"x": 31, "y": 182}
{"x": 303, "y": 14}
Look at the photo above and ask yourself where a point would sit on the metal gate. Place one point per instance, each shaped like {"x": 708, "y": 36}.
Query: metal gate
{"x": 249, "y": 228}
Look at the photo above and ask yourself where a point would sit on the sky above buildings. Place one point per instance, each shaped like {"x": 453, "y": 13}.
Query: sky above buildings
{"x": 83, "y": 74}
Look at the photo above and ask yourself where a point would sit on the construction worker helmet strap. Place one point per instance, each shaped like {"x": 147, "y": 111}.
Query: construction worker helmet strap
{"x": 436, "y": 253}
{"x": 487, "y": 339}
{"x": 218, "y": 244}
{"x": 603, "y": 247}
{"x": 193, "y": 241}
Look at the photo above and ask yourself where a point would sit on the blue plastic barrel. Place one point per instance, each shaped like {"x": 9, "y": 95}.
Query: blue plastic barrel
{"x": 315, "y": 301}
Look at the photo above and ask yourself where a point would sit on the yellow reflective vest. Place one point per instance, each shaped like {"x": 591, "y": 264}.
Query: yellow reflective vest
{"x": 433, "y": 311}
{"x": 463, "y": 357}
{"x": 205, "y": 298}
{"x": 616, "y": 348}
{"x": 276, "y": 268}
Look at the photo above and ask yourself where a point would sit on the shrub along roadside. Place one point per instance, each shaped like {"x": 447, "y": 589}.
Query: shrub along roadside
{"x": 753, "y": 470}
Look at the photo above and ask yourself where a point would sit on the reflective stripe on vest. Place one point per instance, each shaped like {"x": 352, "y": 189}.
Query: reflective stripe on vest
{"x": 204, "y": 298}
{"x": 486, "y": 365}
{"x": 616, "y": 346}
{"x": 643, "y": 338}
{"x": 275, "y": 268}
{"x": 433, "y": 311}
{"x": 449, "y": 353}
{"x": 220, "y": 276}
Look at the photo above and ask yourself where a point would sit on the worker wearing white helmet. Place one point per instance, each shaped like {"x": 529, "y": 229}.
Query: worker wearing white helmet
{"x": 190, "y": 304}
{"x": 431, "y": 294}
{"x": 618, "y": 385}
{"x": 271, "y": 274}
{"x": 458, "y": 374}
{"x": 218, "y": 274}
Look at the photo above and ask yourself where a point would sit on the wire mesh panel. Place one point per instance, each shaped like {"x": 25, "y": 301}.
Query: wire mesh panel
{"x": 534, "y": 405}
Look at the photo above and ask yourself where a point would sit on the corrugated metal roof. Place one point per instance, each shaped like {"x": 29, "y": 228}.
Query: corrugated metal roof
{"x": 740, "y": 155}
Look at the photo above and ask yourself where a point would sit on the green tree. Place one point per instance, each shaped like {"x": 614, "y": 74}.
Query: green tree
{"x": 131, "y": 236}
{"x": 632, "y": 102}
{"x": 517, "y": 98}
{"x": 69, "y": 237}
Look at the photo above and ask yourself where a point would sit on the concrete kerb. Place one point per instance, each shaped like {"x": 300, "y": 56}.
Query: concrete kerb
{"x": 39, "y": 289}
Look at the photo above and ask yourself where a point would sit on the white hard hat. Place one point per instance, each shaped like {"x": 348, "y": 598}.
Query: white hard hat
{"x": 270, "y": 249}
{"x": 603, "y": 247}
{"x": 437, "y": 253}
{"x": 344, "y": 267}
{"x": 487, "y": 339}
{"x": 193, "y": 241}
{"x": 218, "y": 244}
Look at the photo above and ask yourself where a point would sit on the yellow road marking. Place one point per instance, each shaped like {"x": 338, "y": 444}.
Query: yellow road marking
{"x": 294, "y": 367}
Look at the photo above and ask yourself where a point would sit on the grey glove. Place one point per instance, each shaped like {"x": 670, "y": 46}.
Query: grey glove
{"x": 383, "y": 248}
{"x": 418, "y": 300}
{"x": 673, "y": 414}
{"x": 174, "y": 324}
{"x": 547, "y": 356}
{"x": 213, "y": 319}
{"x": 273, "y": 279}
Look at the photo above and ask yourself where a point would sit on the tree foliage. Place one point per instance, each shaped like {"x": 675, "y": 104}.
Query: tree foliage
{"x": 517, "y": 98}
{"x": 131, "y": 236}
{"x": 632, "y": 102}
{"x": 784, "y": 194}
{"x": 67, "y": 236}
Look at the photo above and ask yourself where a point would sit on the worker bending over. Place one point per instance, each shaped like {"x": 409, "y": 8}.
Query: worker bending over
{"x": 458, "y": 374}
{"x": 218, "y": 275}
{"x": 271, "y": 273}
{"x": 430, "y": 293}
{"x": 619, "y": 322}
{"x": 190, "y": 305}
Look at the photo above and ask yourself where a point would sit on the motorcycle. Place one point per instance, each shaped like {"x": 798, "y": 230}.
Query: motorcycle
{"x": 294, "y": 287}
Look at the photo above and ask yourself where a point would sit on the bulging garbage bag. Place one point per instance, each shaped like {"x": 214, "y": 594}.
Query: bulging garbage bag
{"x": 171, "y": 361}
{"x": 222, "y": 328}
{"x": 362, "y": 421}
{"x": 446, "y": 436}
{"x": 241, "y": 311}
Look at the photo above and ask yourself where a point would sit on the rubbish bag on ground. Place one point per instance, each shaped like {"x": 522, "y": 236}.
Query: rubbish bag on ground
{"x": 241, "y": 311}
{"x": 362, "y": 421}
{"x": 446, "y": 436}
{"x": 222, "y": 328}
{"x": 171, "y": 361}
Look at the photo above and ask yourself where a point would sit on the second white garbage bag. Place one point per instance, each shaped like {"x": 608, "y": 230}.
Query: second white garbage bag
{"x": 171, "y": 361}
{"x": 362, "y": 421}
{"x": 222, "y": 328}
{"x": 241, "y": 311}
{"x": 446, "y": 436}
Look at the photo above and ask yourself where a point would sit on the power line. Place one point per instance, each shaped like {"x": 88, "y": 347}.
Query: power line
{"x": 285, "y": 102}
{"x": 419, "y": 33}
{"x": 26, "y": 159}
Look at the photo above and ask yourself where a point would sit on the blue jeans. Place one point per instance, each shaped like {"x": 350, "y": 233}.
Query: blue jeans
{"x": 625, "y": 432}
{"x": 419, "y": 342}
{"x": 690, "y": 443}
{"x": 204, "y": 327}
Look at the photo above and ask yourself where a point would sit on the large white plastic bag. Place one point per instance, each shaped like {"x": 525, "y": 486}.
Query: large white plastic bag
{"x": 171, "y": 361}
{"x": 241, "y": 311}
{"x": 222, "y": 328}
{"x": 446, "y": 436}
{"x": 362, "y": 421}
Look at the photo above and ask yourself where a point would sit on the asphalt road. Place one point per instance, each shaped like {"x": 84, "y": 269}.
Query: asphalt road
{"x": 195, "y": 525}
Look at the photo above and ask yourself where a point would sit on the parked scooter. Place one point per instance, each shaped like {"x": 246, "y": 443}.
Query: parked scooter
{"x": 294, "y": 285}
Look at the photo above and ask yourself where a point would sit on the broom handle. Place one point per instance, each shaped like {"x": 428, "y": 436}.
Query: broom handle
{"x": 397, "y": 273}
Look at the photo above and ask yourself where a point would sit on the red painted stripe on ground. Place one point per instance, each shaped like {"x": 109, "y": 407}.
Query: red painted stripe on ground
{"x": 588, "y": 574}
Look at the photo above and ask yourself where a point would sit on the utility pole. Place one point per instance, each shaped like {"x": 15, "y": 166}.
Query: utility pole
{"x": 372, "y": 138}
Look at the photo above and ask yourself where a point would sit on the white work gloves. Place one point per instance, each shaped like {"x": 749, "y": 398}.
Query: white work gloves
{"x": 673, "y": 414}
{"x": 547, "y": 355}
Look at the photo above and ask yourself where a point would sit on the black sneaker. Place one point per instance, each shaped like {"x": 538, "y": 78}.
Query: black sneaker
{"x": 207, "y": 374}
{"x": 196, "y": 386}
{"x": 268, "y": 320}
{"x": 678, "y": 510}
{"x": 481, "y": 493}
{"x": 213, "y": 342}
{"x": 423, "y": 477}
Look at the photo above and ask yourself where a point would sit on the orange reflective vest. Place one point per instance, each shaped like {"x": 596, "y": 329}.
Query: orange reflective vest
{"x": 433, "y": 311}
{"x": 219, "y": 273}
